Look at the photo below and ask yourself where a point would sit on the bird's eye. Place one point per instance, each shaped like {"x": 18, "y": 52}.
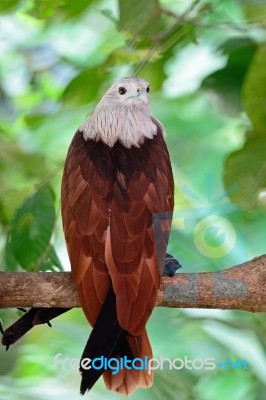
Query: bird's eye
{"x": 148, "y": 89}
{"x": 122, "y": 90}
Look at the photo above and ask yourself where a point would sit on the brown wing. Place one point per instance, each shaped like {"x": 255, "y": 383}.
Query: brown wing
{"x": 143, "y": 186}
{"x": 84, "y": 200}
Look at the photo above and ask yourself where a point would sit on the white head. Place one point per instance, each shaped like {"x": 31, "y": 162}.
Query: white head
{"x": 122, "y": 114}
{"x": 127, "y": 92}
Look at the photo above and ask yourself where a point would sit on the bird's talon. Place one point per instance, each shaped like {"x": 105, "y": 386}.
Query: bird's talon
{"x": 49, "y": 324}
{"x": 7, "y": 347}
{"x": 171, "y": 265}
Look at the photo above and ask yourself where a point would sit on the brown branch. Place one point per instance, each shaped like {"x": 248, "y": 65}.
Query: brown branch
{"x": 242, "y": 287}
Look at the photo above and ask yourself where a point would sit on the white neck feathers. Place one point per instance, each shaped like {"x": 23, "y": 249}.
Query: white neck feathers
{"x": 129, "y": 125}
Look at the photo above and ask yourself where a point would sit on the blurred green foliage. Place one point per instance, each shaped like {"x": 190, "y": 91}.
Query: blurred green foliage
{"x": 205, "y": 61}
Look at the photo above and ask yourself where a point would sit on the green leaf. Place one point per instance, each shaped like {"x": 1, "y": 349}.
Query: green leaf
{"x": 154, "y": 71}
{"x": 43, "y": 9}
{"x": 85, "y": 86}
{"x": 50, "y": 261}
{"x": 140, "y": 17}
{"x": 10, "y": 201}
{"x": 8, "y": 5}
{"x": 34, "y": 120}
{"x": 30, "y": 164}
{"x": 255, "y": 11}
{"x": 10, "y": 263}
{"x": 74, "y": 8}
{"x": 228, "y": 81}
{"x": 154, "y": 74}
{"x": 254, "y": 91}
{"x": 246, "y": 168}
{"x": 32, "y": 228}
{"x": 122, "y": 55}
{"x": 177, "y": 34}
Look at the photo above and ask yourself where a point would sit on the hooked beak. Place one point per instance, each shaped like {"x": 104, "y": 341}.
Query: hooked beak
{"x": 141, "y": 94}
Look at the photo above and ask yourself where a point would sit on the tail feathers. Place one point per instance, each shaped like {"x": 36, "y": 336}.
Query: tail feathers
{"x": 126, "y": 381}
{"x": 107, "y": 339}
{"x": 141, "y": 348}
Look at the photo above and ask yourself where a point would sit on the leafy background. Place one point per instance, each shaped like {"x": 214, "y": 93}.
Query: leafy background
{"x": 205, "y": 61}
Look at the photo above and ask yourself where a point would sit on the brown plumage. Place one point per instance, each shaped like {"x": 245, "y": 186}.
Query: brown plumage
{"x": 110, "y": 191}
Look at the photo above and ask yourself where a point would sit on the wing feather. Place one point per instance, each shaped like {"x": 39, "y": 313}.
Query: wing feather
{"x": 134, "y": 265}
{"x": 85, "y": 220}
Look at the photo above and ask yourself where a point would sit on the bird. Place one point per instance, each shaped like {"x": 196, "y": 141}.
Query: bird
{"x": 117, "y": 180}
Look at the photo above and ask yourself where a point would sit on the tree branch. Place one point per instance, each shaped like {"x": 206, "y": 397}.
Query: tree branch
{"x": 242, "y": 287}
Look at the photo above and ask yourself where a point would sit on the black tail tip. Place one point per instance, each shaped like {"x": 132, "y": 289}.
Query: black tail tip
{"x": 84, "y": 387}
{"x": 83, "y": 390}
